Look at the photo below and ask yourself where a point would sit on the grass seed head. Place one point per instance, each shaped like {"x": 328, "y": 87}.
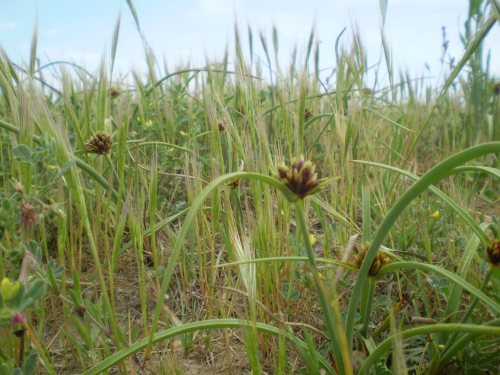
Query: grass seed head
{"x": 99, "y": 144}
{"x": 300, "y": 177}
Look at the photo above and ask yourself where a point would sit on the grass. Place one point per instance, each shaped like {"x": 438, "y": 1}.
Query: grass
{"x": 164, "y": 222}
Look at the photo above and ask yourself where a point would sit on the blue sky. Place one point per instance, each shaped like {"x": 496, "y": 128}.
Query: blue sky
{"x": 191, "y": 30}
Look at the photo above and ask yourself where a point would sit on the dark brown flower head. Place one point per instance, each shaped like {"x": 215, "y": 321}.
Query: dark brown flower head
{"x": 300, "y": 177}
{"x": 367, "y": 91}
{"x": 493, "y": 252}
{"x": 80, "y": 311}
{"x": 114, "y": 92}
{"x": 307, "y": 114}
{"x": 19, "y": 332}
{"x": 235, "y": 183}
{"x": 222, "y": 126}
{"x": 28, "y": 215}
{"x": 99, "y": 144}
{"x": 496, "y": 88}
{"x": 379, "y": 261}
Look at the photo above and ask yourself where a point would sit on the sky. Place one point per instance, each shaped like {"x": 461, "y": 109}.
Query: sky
{"x": 190, "y": 31}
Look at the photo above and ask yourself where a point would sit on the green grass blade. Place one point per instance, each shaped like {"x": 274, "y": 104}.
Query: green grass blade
{"x": 480, "y": 169}
{"x": 114, "y": 44}
{"x": 192, "y": 327}
{"x": 331, "y": 310}
{"x": 331, "y": 262}
{"x": 494, "y": 306}
{"x": 434, "y": 175}
{"x": 460, "y": 343}
{"x": 473, "y": 45}
{"x": 366, "y": 214}
{"x": 453, "y": 205}
{"x": 34, "y": 42}
{"x": 189, "y": 222}
{"x": 386, "y": 345}
{"x": 462, "y": 270}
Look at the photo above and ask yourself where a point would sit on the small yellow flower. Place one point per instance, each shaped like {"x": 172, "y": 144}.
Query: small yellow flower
{"x": 436, "y": 214}
{"x": 312, "y": 239}
{"x": 321, "y": 276}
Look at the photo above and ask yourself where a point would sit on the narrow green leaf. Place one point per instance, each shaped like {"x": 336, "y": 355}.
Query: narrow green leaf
{"x": 424, "y": 330}
{"x": 192, "y": 327}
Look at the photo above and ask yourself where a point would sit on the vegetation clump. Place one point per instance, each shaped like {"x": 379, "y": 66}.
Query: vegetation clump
{"x": 178, "y": 251}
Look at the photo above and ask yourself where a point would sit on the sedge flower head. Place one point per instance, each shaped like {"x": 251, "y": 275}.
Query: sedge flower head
{"x": 100, "y": 143}
{"x": 300, "y": 177}
{"x": 379, "y": 261}
{"x": 493, "y": 252}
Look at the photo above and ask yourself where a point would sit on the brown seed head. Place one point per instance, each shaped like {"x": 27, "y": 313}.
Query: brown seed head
{"x": 80, "y": 311}
{"x": 379, "y": 261}
{"x": 19, "y": 332}
{"x": 301, "y": 177}
{"x": 307, "y": 114}
{"x": 222, "y": 126}
{"x": 114, "y": 92}
{"x": 234, "y": 184}
{"x": 496, "y": 89}
{"x": 99, "y": 144}
{"x": 28, "y": 215}
{"x": 493, "y": 252}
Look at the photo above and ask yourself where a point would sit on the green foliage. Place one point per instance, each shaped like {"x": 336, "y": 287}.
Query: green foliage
{"x": 187, "y": 227}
